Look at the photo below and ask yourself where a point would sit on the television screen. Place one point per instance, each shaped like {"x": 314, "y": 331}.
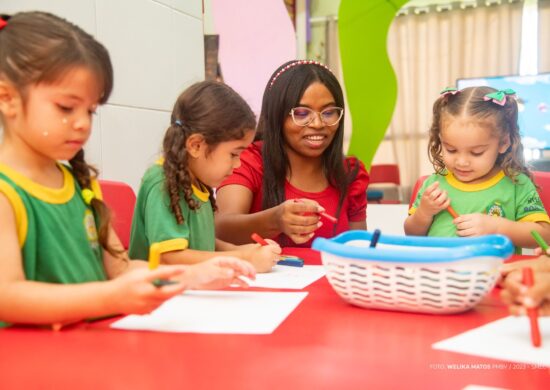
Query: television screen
{"x": 533, "y": 95}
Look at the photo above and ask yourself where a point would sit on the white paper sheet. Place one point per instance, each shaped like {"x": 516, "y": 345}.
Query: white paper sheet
{"x": 243, "y": 312}
{"x": 284, "y": 276}
{"x": 505, "y": 339}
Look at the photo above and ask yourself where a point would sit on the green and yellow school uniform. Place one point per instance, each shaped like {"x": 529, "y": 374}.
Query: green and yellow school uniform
{"x": 498, "y": 196}
{"x": 55, "y": 228}
{"x": 154, "y": 221}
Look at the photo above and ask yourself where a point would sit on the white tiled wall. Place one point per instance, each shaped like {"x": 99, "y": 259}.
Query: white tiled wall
{"x": 189, "y": 7}
{"x": 81, "y": 12}
{"x": 157, "y": 50}
{"x": 119, "y": 124}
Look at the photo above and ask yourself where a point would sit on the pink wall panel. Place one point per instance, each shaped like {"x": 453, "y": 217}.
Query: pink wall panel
{"x": 255, "y": 38}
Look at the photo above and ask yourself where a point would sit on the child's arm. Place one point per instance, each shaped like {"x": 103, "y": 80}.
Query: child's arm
{"x": 218, "y": 272}
{"x": 469, "y": 225}
{"x": 234, "y": 222}
{"x": 120, "y": 263}
{"x": 263, "y": 258}
{"x": 520, "y": 232}
{"x": 519, "y": 297}
{"x": 433, "y": 200}
{"x": 359, "y": 225}
{"x": 24, "y": 301}
{"x": 225, "y": 246}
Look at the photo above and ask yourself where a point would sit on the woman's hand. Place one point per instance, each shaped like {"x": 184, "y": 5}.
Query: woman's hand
{"x": 299, "y": 218}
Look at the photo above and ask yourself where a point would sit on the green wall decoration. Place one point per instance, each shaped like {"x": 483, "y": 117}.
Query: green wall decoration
{"x": 371, "y": 86}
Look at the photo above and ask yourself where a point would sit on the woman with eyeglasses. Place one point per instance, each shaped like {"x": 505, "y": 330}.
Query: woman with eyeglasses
{"x": 295, "y": 173}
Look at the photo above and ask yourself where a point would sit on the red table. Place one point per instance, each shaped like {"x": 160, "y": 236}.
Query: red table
{"x": 324, "y": 344}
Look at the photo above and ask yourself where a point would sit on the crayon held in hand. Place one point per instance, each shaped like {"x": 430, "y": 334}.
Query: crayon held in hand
{"x": 532, "y": 312}
{"x": 540, "y": 241}
{"x": 257, "y": 238}
{"x": 329, "y": 217}
{"x": 322, "y": 214}
{"x": 452, "y": 211}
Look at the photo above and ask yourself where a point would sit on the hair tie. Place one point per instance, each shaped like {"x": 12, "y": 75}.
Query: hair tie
{"x": 88, "y": 195}
{"x": 499, "y": 97}
{"x": 295, "y": 63}
{"x": 179, "y": 123}
{"x": 449, "y": 91}
{"x": 3, "y": 23}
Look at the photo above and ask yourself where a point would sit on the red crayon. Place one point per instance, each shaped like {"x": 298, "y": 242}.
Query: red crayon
{"x": 323, "y": 214}
{"x": 532, "y": 313}
{"x": 257, "y": 238}
{"x": 329, "y": 217}
{"x": 452, "y": 211}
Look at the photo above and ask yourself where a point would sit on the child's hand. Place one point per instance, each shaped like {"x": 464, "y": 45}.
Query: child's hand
{"x": 540, "y": 264}
{"x": 263, "y": 258}
{"x": 299, "y": 218}
{"x": 470, "y": 225}
{"x": 519, "y": 297}
{"x": 218, "y": 272}
{"x": 538, "y": 251}
{"x": 433, "y": 200}
{"x": 134, "y": 291}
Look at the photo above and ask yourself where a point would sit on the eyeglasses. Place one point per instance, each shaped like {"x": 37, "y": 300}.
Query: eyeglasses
{"x": 303, "y": 116}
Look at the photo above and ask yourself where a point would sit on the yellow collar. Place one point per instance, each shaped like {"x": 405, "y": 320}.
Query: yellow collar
{"x": 474, "y": 187}
{"x": 202, "y": 193}
{"x": 46, "y": 194}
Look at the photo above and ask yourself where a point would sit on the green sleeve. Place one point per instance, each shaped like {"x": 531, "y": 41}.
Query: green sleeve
{"x": 528, "y": 203}
{"x": 159, "y": 221}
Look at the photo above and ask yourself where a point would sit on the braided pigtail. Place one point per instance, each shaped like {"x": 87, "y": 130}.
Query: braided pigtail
{"x": 84, "y": 174}
{"x": 178, "y": 180}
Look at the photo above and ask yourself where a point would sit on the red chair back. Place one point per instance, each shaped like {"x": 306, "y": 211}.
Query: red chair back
{"x": 384, "y": 173}
{"x": 120, "y": 198}
{"x": 542, "y": 179}
{"x": 416, "y": 187}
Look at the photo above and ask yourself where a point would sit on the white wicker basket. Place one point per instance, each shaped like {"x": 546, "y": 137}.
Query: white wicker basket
{"x": 420, "y": 274}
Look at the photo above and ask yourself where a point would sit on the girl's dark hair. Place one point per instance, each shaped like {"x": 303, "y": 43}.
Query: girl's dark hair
{"x": 213, "y": 110}
{"x": 282, "y": 93}
{"x": 501, "y": 120}
{"x": 38, "y": 47}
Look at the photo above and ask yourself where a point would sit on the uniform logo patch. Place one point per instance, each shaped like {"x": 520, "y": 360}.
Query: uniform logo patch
{"x": 495, "y": 210}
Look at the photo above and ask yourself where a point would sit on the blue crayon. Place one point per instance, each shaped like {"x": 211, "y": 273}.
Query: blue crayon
{"x": 292, "y": 262}
{"x": 375, "y": 237}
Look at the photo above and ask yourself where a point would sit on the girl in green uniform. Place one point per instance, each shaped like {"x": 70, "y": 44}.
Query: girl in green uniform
{"x": 211, "y": 126}
{"x": 475, "y": 147}
{"x": 60, "y": 259}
